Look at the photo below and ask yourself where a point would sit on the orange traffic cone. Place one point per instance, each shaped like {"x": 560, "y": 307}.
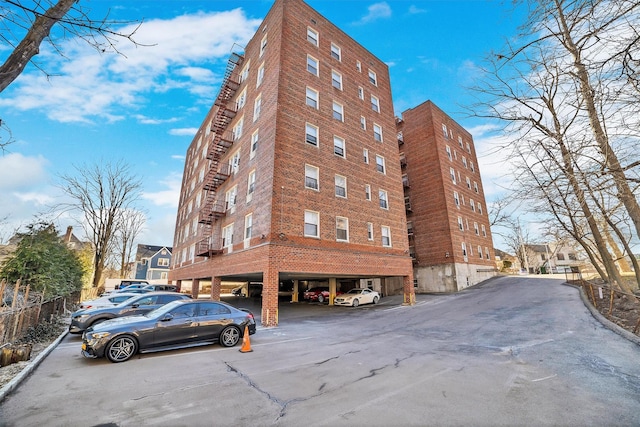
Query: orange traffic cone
{"x": 246, "y": 342}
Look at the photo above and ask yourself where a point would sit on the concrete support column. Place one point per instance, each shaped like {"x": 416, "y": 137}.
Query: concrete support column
{"x": 270, "y": 280}
{"x": 294, "y": 298}
{"x": 408, "y": 290}
{"x": 195, "y": 288}
{"x": 333, "y": 286}
{"x": 216, "y": 286}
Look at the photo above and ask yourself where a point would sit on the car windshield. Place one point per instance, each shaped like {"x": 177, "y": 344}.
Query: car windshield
{"x": 162, "y": 310}
{"x": 354, "y": 291}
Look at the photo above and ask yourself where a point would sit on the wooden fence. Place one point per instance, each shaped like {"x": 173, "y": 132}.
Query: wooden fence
{"x": 24, "y": 309}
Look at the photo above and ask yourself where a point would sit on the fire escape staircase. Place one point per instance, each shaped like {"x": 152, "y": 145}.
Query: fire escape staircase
{"x": 214, "y": 208}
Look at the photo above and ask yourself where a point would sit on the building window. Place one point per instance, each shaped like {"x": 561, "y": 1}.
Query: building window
{"x": 363, "y": 123}
{"x": 472, "y": 204}
{"x": 254, "y": 144}
{"x": 230, "y": 199}
{"x": 460, "y": 224}
{"x": 312, "y": 36}
{"x": 341, "y": 186}
{"x": 163, "y": 262}
{"x": 251, "y": 185}
{"x": 464, "y": 161}
{"x": 244, "y": 74}
{"x": 248, "y": 226}
{"x": 312, "y": 65}
{"x": 342, "y": 229}
{"x": 484, "y": 231}
{"x": 475, "y": 186}
{"x": 444, "y": 131}
{"x": 227, "y": 236}
{"x": 360, "y": 93}
{"x": 336, "y": 52}
{"x": 237, "y": 129}
{"x": 486, "y": 253}
{"x": 407, "y": 204}
{"x": 369, "y": 231}
{"x": 460, "y": 142}
{"x": 241, "y": 100}
{"x": 358, "y": 66}
{"x": 257, "y": 106}
{"x": 479, "y": 251}
{"x": 479, "y": 208}
{"x": 311, "y": 177}
{"x": 338, "y": 111}
{"x": 448, "y": 152}
{"x": 380, "y": 166}
{"x": 405, "y": 180}
{"x": 312, "y": 98}
{"x": 456, "y": 198}
{"x": 572, "y": 256}
{"x": 311, "y": 135}
{"x": 473, "y": 169}
{"x": 386, "y": 236}
{"x": 377, "y": 132}
{"x": 375, "y": 104}
{"x": 365, "y": 154}
{"x": 336, "y": 79}
{"x": 452, "y": 172}
{"x": 468, "y": 148}
{"x": 263, "y": 45}
{"x": 383, "y": 199}
{"x": 468, "y": 183}
{"x": 339, "y": 147}
{"x": 373, "y": 79}
{"x": 476, "y": 229}
{"x": 234, "y": 162}
{"x": 367, "y": 192}
{"x": 464, "y": 250}
{"x": 260, "y": 77}
{"x": 560, "y": 256}
{"x": 311, "y": 224}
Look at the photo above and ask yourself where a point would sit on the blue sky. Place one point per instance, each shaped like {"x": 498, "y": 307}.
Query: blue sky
{"x": 144, "y": 106}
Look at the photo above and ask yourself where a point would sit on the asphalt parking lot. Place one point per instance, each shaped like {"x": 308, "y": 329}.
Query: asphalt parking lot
{"x": 514, "y": 351}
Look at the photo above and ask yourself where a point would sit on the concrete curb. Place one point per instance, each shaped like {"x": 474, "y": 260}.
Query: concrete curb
{"x": 605, "y": 322}
{"x": 15, "y": 382}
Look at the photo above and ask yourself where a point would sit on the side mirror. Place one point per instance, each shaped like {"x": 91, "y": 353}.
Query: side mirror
{"x": 135, "y": 305}
{"x": 167, "y": 317}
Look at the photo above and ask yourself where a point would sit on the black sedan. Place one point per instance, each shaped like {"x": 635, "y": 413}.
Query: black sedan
{"x": 82, "y": 319}
{"x": 178, "y": 324}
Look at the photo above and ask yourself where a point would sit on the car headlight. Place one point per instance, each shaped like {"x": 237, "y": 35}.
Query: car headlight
{"x": 99, "y": 335}
{"x": 81, "y": 316}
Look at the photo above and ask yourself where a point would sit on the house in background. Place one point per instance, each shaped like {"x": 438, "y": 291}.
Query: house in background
{"x": 152, "y": 262}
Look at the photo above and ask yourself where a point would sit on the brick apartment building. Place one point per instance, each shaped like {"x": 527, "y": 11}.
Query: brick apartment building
{"x": 294, "y": 175}
{"x": 447, "y": 220}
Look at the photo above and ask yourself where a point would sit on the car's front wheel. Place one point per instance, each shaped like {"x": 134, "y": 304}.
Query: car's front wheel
{"x": 355, "y": 302}
{"x": 122, "y": 348}
{"x": 375, "y": 300}
{"x": 230, "y": 336}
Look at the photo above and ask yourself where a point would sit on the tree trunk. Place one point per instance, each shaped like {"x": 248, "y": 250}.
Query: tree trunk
{"x": 30, "y": 45}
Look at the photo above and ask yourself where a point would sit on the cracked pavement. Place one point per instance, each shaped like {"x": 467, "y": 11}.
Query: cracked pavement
{"x": 513, "y": 351}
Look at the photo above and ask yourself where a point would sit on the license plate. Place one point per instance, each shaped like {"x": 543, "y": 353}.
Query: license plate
{"x": 84, "y": 346}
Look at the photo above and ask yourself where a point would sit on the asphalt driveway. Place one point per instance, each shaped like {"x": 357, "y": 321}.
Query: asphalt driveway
{"x": 513, "y": 351}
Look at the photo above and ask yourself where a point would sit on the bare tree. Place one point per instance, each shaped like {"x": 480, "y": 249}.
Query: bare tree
{"x": 103, "y": 194}
{"x": 132, "y": 223}
{"x": 25, "y": 24}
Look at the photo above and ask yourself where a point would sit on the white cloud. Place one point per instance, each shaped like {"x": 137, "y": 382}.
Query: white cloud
{"x": 183, "y": 131}
{"x": 18, "y": 171}
{"x": 375, "y": 12}
{"x": 170, "y": 195}
{"x": 84, "y": 85}
{"x": 414, "y": 10}
{"x": 149, "y": 121}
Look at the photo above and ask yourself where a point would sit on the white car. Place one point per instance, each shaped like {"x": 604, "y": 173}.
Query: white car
{"x": 357, "y": 296}
{"x": 107, "y": 300}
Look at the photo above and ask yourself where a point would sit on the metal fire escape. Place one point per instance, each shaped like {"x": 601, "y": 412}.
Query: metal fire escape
{"x": 221, "y": 139}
